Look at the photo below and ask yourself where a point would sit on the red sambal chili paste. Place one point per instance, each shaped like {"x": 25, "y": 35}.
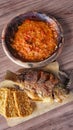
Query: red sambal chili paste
{"x": 35, "y": 40}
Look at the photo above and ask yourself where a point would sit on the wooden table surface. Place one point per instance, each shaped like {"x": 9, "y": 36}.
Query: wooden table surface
{"x": 62, "y": 117}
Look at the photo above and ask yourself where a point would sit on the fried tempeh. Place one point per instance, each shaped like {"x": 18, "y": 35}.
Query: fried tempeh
{"x": 14, "y": 103}
{"x": 3, "y": 95}
{"x": 23, "y": 103}
{"x": 10, "y": 108}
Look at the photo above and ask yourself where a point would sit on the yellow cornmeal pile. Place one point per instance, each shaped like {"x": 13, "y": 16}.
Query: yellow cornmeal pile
{"x": 14, "y": 103}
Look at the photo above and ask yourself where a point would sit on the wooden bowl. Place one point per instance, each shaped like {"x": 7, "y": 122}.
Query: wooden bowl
{"x": 11, "y": 28}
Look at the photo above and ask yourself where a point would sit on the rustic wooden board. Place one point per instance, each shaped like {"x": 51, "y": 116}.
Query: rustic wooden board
{"x": 60, "y": 118}
{"x": 41, "y": 107}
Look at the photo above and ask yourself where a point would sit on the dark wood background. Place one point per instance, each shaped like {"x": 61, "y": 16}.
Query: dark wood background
{"x": 62, "y": 117}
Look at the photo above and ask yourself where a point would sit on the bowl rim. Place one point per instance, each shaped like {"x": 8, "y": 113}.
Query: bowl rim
{"x": 31, "y": 64}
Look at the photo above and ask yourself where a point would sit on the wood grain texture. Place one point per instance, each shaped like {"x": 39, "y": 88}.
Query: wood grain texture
{"x": 62, "y": 117}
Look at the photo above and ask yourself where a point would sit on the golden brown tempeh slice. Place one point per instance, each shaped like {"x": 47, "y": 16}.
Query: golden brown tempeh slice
{"x": 23, "y": 103}
{"x": 3, "y": 95}
{"x": 10, "y": 107}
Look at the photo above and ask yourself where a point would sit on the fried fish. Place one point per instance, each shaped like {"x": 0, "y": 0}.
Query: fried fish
{"x": 38, "y": 84}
